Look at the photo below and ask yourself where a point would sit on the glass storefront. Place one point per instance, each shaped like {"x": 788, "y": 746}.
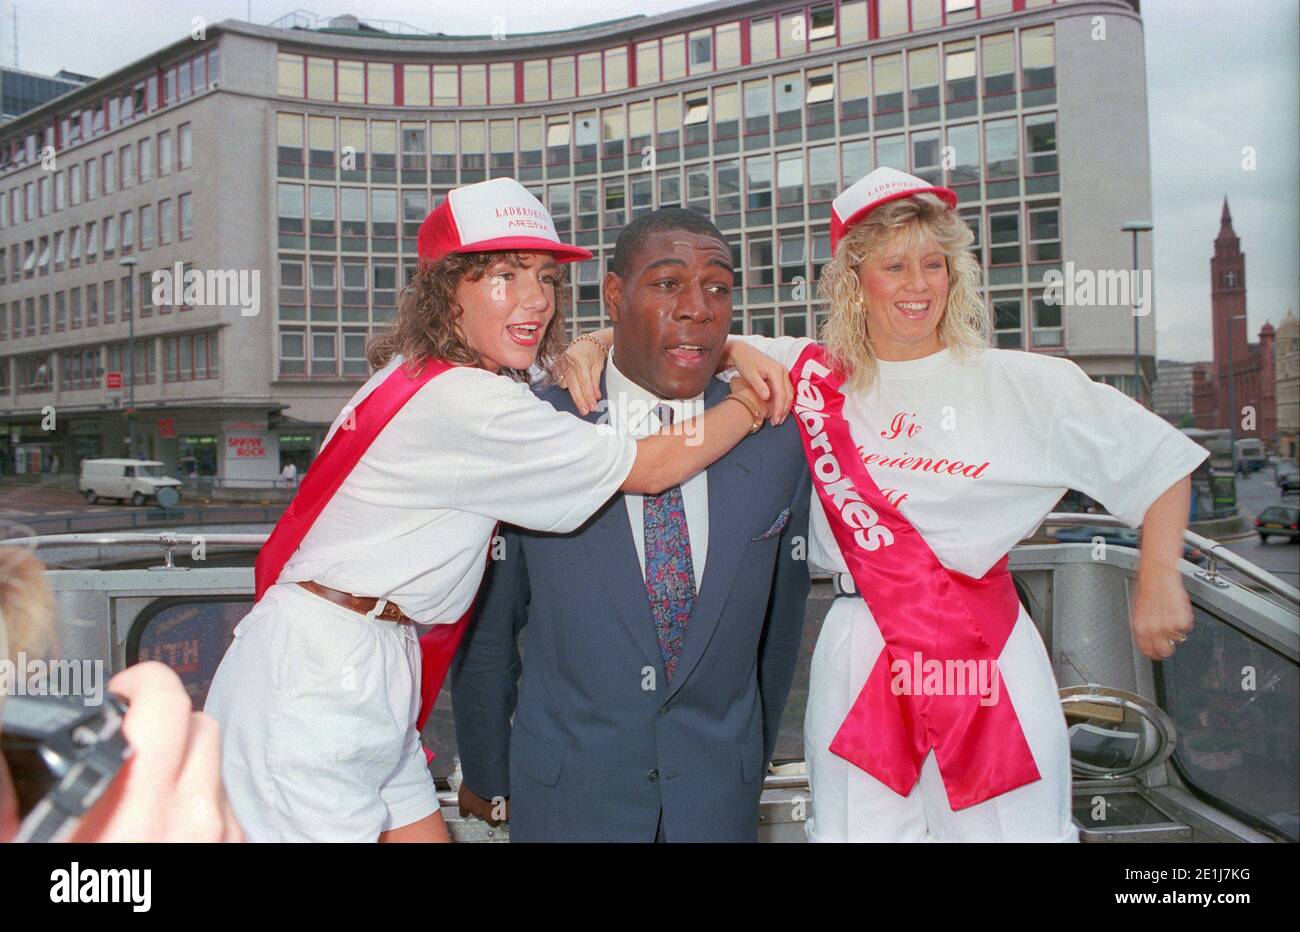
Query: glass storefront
{"x": 197, "y": 455}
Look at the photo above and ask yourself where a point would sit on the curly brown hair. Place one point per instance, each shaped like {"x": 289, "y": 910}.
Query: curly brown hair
{"x": 427, "y": 325}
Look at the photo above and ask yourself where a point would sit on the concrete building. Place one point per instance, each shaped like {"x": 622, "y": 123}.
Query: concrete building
{"x": 1286, "y": 348}
{"x": 1171, "y": 396}
{"x": 309, "y": 156}
{"x": 21, "y": 91}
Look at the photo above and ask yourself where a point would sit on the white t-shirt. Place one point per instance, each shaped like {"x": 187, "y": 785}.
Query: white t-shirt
{"x": 412, "y": 521}
{"x": 975, "y": 452}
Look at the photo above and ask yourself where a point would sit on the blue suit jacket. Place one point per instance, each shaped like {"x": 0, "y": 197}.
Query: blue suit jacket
{"x": 601, "y": 742}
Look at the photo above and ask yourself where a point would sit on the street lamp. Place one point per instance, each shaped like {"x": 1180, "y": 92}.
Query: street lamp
{"x": 1232, "y": 400}
{"x": 1135, "y": 227}
{"x": 129, "y": 263}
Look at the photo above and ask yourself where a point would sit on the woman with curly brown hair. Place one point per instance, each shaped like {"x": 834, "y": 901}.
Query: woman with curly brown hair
{"x": 932, "y": 708}
{"x": 319, "y": 693}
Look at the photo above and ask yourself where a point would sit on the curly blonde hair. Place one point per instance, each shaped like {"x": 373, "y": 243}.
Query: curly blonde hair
{"x": 427, "y": 324}
{"x": 966, "y": 325}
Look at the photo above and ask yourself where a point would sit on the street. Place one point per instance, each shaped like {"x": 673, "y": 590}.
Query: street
{"x": 1279, "y": 557}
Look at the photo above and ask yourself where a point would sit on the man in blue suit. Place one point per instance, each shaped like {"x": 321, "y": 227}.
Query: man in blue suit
{"x": 662, "y": 635}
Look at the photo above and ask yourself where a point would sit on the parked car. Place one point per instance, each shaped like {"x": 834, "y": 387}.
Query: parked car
{"x": 136, "y": 481}
{"x": 1119, "y": 536}
{"x": 1279, "y": 521}
{"x": 1289, "y": 483}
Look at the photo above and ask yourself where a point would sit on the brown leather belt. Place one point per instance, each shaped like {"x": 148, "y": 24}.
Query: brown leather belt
{"x": 358, "y": 604}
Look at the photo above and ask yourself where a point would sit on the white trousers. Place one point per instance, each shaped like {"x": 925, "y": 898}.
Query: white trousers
{"x": 849, "y": 804}
{"x": 317, "y": 707}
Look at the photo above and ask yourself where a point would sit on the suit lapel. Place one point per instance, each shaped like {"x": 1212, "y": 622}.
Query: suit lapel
{"x": 731, "y": 507}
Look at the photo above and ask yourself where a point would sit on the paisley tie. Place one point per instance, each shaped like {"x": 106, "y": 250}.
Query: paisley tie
{"x": 669, "y": 572}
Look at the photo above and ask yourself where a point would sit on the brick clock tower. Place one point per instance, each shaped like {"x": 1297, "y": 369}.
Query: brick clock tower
{"x": 1228, "y": 300}
{"x": 1253, "y": 375}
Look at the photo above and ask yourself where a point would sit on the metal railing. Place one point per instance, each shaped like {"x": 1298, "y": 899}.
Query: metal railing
{"x": 1216, "y": 553}
{"x": 107, "y": 521}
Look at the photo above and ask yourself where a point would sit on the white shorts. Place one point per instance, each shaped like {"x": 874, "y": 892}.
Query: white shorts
{"x": 317, "y": 706}
{"x": 849, "y": 804}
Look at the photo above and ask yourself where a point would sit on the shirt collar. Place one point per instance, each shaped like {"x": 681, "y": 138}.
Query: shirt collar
{"x": 632, "y": 407}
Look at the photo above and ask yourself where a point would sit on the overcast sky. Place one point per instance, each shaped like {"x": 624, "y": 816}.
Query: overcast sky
{"x": 1221, "y": 77}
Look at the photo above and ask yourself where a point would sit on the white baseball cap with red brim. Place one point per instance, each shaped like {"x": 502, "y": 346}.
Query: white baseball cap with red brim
{"x": 879, "y": 187}
{"x": 492, "y": 216}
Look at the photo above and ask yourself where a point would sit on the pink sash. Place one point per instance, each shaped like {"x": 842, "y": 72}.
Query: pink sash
{"x": 930, "y": 617}
{"x": 331, "y": 466}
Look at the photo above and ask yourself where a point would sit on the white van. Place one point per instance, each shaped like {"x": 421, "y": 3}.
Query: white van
{"x": 137, "y": 480}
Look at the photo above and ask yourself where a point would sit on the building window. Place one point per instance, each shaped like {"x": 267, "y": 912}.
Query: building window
{"x": 291, "y": 209}
{"x": 166, "y": 222}
{"x": 128, "y": 231}
{"x": 164, "y": 153}
{"x": 379, "y": 83}
{"x": 446, "y": 86}
{"x": 110, "y": 301}
{"x": 1045, "y": 234}
{"x": 110, "y": 178}
{"x": 726, "y": 113}
{"x": 789, "y": 178}
{"x": 758, "y": 107}
{"x": 823, "y": 185}
{"x": 758, "y": 183}
{"x": 964, "y": 148}
{"x": 416, "y": 86}
{"x": 1047, "y": 324}
{"x": 1007, "y": 324}
{"x": 1037, "y": 57}
{"x": 762, "y": 39}
{"x": 999, "y": 59}
{"x": 1001, "y": 149}
{"x": 383, "y": 220}
{"x": 293, "y": 351}
{"x": 1040, "y": 144}
{"x": 503, "y": 82}
{"x": 185, "y": 145}
{"x": 887, "y": 76}
{"x": 959, "y": 71}
{"x": 700, "y": 51}
{"x": 351, "y": 82}
{"x": 1004, "y": 238}
{"x": 926, "y": 14}
{"x": 146, "y": 227}
{"x": 893, "y": 17}
{"x": 352, "y": 213}
{"x": 473, "y": 85}
{"x": 923, "y": 80}
{"x": 673, "y": 57}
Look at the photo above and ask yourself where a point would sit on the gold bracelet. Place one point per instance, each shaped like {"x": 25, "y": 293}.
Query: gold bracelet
{"x": 756, "y": 415}
{"x": 592, "y": 338}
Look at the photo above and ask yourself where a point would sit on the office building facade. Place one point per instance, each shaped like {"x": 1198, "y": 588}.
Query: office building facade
{"x": 311, "y": 156}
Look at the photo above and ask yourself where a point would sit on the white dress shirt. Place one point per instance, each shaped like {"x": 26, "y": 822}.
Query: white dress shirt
{"x": 632, "y": 411}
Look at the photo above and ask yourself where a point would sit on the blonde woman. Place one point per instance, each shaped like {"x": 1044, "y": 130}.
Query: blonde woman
{"x": 932, "y": 711}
